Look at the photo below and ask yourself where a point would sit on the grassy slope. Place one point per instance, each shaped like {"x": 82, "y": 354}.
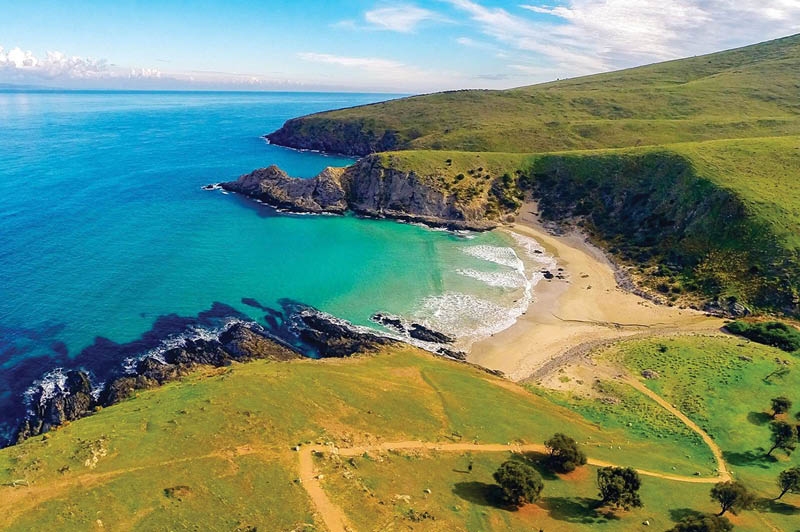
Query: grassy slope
{"x": 223, "y": 439}
{"x": 746, "y": 99}
{"x": 466, "y": 501}
{"x": 738, "y": 216}
{"x": 726, "y": 395}
{"x": 748, "y": 92}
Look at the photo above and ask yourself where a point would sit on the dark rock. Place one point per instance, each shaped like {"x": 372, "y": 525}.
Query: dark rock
{"x": 123, "y": 388}
{"x": 449, "y": 353}
{"x": 245, "y": 343}
{"x": 72, "y": 401}
{"x": 420, "y": 332}
{"x": 155, "y": 370}
{"x": 337, "y": 339}
{"x": 389, "y": 321}
{"x": 650, "y": 374}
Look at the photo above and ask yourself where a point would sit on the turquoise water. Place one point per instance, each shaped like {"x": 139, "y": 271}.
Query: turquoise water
{"x": 108, "y": 243}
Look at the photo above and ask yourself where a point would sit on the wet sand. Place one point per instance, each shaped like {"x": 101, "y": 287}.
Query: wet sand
{"x": 588, "y": 307}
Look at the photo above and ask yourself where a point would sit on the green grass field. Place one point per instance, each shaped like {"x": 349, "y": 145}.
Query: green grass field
{"x": 386, "y": 491}
{"x": 724, "y": 385}
{"x": 216, "y": 446}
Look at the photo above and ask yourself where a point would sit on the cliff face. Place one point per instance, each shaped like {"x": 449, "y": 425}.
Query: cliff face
{"x": 347, "y": 137}
{"x": 367, "y": 188}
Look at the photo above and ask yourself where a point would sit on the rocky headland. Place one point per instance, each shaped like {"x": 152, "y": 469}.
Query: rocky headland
{"x": 367, "y": 188}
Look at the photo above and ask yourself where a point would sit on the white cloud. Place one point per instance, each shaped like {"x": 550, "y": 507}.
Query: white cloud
{"x": 24, "y": 65}
{"x": 586, "y": 36}
{"x": 403, "y": 18}
{"x": 372, "y": 64}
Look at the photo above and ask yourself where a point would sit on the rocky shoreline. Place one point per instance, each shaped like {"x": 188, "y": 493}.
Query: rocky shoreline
{"x": 328, "y": 337}
{"x": 368, "y": 189}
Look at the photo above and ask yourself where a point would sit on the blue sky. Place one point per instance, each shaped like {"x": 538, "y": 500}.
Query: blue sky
{"x": 363, "y": 45}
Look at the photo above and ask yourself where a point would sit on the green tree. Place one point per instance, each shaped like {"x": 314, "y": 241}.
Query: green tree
{"x": 565, "y": 455}
{"x": 520, "y": 482}
{"x": 789, "y": 481}
{"x": 780, "y": 405}
{"x": 619, "y": 487}
{"x": 783, "y": 437}
{"x": 732, "y": 496}
{"x": 703, "y": 523}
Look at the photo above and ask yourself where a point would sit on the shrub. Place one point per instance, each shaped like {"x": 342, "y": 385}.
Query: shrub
{"x": 789, "y": 481}
{"x": 772, "y": 333}
{"x": 564, "y": 453}
{"x": 732, "y": 495}
{"x": 619, "y": 487}
{"x": 520, "y": 483}
{"x": 703, "y": 523}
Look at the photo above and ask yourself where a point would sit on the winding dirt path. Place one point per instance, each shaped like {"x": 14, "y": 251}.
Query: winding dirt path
{"x": 336, "y": 521}
{"x": 724, "y": 474}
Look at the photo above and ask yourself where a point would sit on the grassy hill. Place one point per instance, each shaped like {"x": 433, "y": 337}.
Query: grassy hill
{"x": 747, "y": 92}
{"x": 685, "y": 170}
{"x": 218, "y": 448}
{"x": 715, "y": 219}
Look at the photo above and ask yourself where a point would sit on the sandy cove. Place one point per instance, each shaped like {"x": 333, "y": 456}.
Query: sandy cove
{"x": 588, "y": 309}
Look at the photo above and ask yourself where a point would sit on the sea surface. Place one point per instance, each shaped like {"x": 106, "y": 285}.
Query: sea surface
{"x": 110, "y": 248}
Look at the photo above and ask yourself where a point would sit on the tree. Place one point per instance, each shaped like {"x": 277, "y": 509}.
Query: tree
{"x": 732, "y": 495}
{"x": 783, "y": 437}
{"x": 703, "y": 523}
{"x": 619, "y": 487}
{"x": 780, "y": 405}
{"x": 520, "y": 482}
{"x": 789, "y": 481}
{"x": 565, "y": 454}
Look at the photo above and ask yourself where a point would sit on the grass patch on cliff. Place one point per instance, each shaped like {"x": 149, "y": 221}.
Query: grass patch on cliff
{"x": 725, "y": 385}
{"x": 215, "y": 447}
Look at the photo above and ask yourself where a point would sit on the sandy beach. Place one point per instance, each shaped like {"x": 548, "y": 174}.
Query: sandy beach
{"x": 589, "y": 307}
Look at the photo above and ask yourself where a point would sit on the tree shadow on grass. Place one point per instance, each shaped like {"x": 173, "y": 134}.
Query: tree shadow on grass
{"x": 480, "y": 493}
{"x": 749, "y": 458}
{"x": 581, "y": 510}
{"x": 758, "y": 418}
{"x": 538, "y": 461}
{"x": 777, "y": 507}
{"x": 679, "y": 514}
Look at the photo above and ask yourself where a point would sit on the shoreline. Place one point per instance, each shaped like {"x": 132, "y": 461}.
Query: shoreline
{"x": 589, "y": 306}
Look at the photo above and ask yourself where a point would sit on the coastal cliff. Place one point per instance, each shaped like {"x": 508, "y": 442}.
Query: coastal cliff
{"x": 373, "y": 187}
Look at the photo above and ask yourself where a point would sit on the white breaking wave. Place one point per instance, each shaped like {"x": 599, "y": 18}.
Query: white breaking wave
{"x": 51, "y": 383}
{"x": 470, "y": 318}
{"x": 503, "y": 256}
{"x": 512, "y": 280}
{"x": 179, "y": 340}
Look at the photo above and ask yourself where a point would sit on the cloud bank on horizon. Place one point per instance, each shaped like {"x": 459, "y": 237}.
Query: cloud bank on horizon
{"x": 364, "y": 45}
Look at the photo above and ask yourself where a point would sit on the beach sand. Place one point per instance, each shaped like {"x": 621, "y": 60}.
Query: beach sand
{"x": 588, "y": 308}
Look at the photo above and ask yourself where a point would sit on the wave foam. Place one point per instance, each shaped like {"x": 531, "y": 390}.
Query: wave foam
{"x": 510, "y": 280}
{"x": 503, "y": 256}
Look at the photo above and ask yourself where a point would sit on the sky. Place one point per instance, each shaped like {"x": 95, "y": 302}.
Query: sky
{"x": 362, "y": 45}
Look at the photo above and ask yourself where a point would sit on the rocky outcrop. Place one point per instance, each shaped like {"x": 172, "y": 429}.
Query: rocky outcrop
{"x": 350, "y": 137}
{"x": 71, "y": 400}
{"x": 336, "y": 339}
{"x": 368, "y": 188}
{"x": 322, "y": 194}
{"x": 74, "y": 399}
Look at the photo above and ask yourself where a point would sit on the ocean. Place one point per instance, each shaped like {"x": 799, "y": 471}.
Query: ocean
{"x": 110, "y": 248}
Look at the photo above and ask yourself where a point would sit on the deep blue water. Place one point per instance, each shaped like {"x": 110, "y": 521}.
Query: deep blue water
{"x": 108, "y": 244}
